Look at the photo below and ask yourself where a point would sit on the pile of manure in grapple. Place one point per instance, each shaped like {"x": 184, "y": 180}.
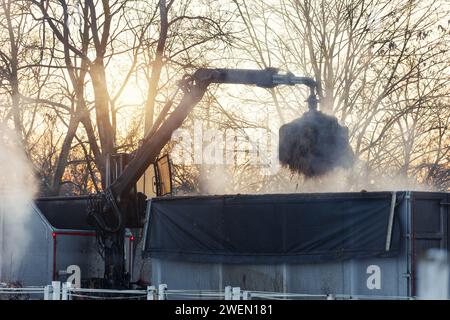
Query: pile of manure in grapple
{"x": 314, "y": 144}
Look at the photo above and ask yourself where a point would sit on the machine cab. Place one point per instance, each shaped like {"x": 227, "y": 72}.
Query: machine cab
{"x": 157, "y": 179}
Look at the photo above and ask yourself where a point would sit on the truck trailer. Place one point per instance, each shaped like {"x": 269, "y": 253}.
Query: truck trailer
{"x": 348, "y": 244}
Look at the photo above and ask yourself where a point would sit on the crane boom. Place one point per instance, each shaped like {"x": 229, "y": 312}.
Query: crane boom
{"x": 194, "y": 91}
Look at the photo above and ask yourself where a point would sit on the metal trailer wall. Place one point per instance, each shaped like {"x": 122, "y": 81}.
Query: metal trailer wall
{"x": 51, "y": 237}
{"x": 72, "y": 242}
{"x": 25, "y": 250}
{"x": 424, "y": 224}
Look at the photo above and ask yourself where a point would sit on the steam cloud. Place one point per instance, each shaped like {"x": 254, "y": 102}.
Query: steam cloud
{"x": 354, "y": 179}
{"x": 17, "y": 188}
{"x": 314, "y": 145}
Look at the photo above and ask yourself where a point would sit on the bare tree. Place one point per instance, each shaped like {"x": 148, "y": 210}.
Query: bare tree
{"x": 373, "y": 61}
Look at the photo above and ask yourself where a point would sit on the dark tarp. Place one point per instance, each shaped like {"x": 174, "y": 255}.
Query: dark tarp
{"x": 275, "y": 228}
{"x": 65, "y": 212}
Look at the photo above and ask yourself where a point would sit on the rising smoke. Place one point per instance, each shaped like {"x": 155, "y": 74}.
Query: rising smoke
{"x": 17, "y": 188}
{"x": 223, "y": 180}
{"x": 354, "y": 179}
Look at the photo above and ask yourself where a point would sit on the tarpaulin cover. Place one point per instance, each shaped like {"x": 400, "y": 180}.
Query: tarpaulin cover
{"x": 275, "y": 228}
{"x": 65, "y": 212}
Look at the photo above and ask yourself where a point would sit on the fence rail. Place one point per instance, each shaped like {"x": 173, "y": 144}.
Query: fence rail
{"x": 18, "y": 293}
{"x": 66, "y": 291}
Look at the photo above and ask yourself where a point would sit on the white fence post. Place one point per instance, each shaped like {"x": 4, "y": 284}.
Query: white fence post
{"x": 228, "y": 294}
{"x": 433, "y": 275}
{"x": 56, "y": 290}
{"x": 64, "y": 291}
{"x": 47, "y": 292}
{"x": 66, "y": 286}
{"x": 69, "y": 290}
{"x": 236, "y": 293}
{"x": 246, "y": 295}
{"x": 162, "y": 291}
{"x": 151, "y": 292}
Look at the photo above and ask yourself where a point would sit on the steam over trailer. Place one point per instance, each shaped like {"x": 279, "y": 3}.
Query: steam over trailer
{"x": 329, "y": 243}
{"x": 53, "y": 237}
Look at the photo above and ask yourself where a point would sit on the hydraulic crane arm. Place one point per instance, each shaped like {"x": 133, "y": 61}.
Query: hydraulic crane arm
{"x": 151, "y": 146}
{"x": 194, "y": 88}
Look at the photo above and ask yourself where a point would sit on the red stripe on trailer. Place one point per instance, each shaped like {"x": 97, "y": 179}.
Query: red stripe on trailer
{"x": 130, "y": 264}
{"x": 71, "y": 233}
{"x": 54, "y": 255}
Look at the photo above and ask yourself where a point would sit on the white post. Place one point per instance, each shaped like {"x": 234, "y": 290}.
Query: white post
{"x": 66, "y": 286}
{"x": 330, "y": 297}
{"x": 246, "y": 295}
{"x": 162, "y": 291}
{"x": 64, "y": 291}
{"x": 151, "y": 292}
{"x": 69, "y": 291}
{"x": 236, "y": 293}
{"x": 228, "y": 294}
{"x": 56, "y": 290}
{"x": 47, "y": 292}
{"x": 433, "y": 275}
